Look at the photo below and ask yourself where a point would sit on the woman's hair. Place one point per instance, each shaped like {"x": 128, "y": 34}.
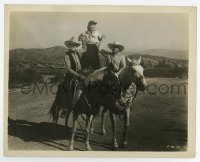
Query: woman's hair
{"x": 88, "y": 27}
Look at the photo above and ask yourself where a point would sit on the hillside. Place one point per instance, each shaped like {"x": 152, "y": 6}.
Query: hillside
{"x": 27, "y": 65}
{"x": 172, "y": 54}
{"x": 52, "y": 55}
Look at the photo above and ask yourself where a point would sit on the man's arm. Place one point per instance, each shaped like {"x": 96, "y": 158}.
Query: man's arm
{"x": 123, "y": 62}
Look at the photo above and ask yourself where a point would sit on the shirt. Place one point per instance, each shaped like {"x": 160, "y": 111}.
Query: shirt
{"x": 117, "y": 59}
{"x": 88, "y": 37}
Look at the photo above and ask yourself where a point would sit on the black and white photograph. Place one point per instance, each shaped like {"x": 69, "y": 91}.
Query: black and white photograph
{"x": 100, "y": 79}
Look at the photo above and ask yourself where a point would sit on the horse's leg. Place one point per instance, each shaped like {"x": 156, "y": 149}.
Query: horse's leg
{"x": 92, "y": 126}
{"x": 126, "y": 126}
{"x": 56, "y": 115}
{"x": 67, "y": 117}
{"x": 103, "y": 131}
{"x": 55, "y": 119}
{"x": 89, "y": 121}
{"x": 114, "y": 127}
{"x": 75, "y": 117}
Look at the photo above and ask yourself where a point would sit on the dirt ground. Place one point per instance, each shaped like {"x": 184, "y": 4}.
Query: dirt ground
{"x": 158, "y": 122}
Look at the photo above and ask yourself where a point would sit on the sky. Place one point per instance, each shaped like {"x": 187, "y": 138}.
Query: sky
{"x": 136, "y": 31}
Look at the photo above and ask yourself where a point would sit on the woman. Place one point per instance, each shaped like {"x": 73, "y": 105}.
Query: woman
{"x": 90, "y": 42}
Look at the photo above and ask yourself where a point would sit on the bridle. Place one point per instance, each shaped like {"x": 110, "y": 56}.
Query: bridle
{"x": 126, "y": 98}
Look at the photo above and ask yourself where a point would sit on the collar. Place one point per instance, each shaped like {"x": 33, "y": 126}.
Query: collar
{"x": 71, "y": 52}
{"x": 114, "y": 54}
{"x": 89, "y": 32}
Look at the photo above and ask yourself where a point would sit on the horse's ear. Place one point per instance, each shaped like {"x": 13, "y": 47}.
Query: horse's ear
{"x": 129, "y": 61}
{"x": 139, "y": 60}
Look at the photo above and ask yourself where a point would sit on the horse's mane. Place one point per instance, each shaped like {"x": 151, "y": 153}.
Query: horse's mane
{"x": 96, "y": 75}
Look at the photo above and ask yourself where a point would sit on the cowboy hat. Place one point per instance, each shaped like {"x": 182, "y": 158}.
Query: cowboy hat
{"x": 116, "y": 44}
{"x": 71, "y": 43}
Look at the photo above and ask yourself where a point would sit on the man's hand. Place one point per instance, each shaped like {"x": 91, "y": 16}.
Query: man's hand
{"x": 82, "y": 77}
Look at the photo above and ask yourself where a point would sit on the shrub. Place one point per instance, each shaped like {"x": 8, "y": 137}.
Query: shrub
{"x": 23, "y": 76}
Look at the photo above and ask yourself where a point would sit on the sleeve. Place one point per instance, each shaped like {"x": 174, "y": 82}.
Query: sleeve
{"x": 99, "y": 36}
{"x": 68, "y": 68}
{"x": 67, "y": 61}
{"x": 81, "y": 37}
{"x": 123, "y": 62}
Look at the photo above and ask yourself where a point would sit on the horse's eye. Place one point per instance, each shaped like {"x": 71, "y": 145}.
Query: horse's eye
{"x": 132, "y": 70}
{"x": 137, "y": 75}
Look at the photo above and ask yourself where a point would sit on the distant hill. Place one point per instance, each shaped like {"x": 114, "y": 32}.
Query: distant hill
{"x": 173, "y": 54}
{"x": 27, "y": 65}
{"x": 52, "y": 55}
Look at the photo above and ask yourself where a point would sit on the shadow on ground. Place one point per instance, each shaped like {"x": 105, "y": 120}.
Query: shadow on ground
{"x": 47, "y": 133}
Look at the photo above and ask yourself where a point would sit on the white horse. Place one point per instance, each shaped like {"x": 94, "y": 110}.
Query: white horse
{"x": 89, "y": 103}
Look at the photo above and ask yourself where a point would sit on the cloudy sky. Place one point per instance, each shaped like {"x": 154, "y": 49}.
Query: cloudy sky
{"x": 137, "y": 31}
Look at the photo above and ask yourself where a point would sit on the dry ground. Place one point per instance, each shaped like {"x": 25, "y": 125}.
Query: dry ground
{"x": 158, "y": 123}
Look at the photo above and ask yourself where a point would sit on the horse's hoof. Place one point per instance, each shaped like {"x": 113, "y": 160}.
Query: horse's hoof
{"x": 103, "y": 132}
{"x": 88, "y": 148}
{"x": 124, "y": 144}
{"x": 115, "y": 148}
{"x": 71, "y": 148}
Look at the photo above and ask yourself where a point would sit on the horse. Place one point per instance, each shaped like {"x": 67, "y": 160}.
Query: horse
{"x": 68, "y": 93}
{"x": 90, "y": 101}
{"x": 129, "y": 77}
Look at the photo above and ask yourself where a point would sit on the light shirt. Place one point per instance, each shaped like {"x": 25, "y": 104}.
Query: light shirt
{"x": 90, "y": 37}
{"x": 117, "y": 59}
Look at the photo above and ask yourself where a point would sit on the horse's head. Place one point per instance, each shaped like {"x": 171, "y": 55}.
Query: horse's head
{"x": 135, "y": 73}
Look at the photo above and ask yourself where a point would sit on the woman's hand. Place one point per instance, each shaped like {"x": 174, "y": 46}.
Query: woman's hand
{"x": 103, "y": 36}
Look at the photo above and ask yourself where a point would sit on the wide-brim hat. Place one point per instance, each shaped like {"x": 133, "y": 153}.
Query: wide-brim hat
{"x": 116, "y": 44}
{"x": 71, "y": 43}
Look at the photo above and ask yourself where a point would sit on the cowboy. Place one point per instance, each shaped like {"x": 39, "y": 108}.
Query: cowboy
{"x": 115, "y": 57}
{"x": 90, "y": 41}
{"x": 72, "y": 59}
{"x": 72, "y": 76}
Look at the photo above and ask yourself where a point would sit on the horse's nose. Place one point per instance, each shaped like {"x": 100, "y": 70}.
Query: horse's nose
{"x": 142, "y": 87}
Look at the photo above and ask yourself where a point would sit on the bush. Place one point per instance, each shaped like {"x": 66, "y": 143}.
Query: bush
{"x": 23, "y": 76}
{"x": 58, "y": 77}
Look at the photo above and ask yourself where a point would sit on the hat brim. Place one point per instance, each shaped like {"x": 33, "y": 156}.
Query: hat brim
{"x": 71, "y": 44}
{"x": 111, "y": 46}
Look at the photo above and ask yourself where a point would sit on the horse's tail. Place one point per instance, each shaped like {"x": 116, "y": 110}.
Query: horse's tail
{"x": 56, "y": 106}
{"x": 54, "y": 111}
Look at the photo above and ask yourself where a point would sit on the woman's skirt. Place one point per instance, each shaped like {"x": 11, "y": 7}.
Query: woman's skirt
{"x": 91, "y": 57}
